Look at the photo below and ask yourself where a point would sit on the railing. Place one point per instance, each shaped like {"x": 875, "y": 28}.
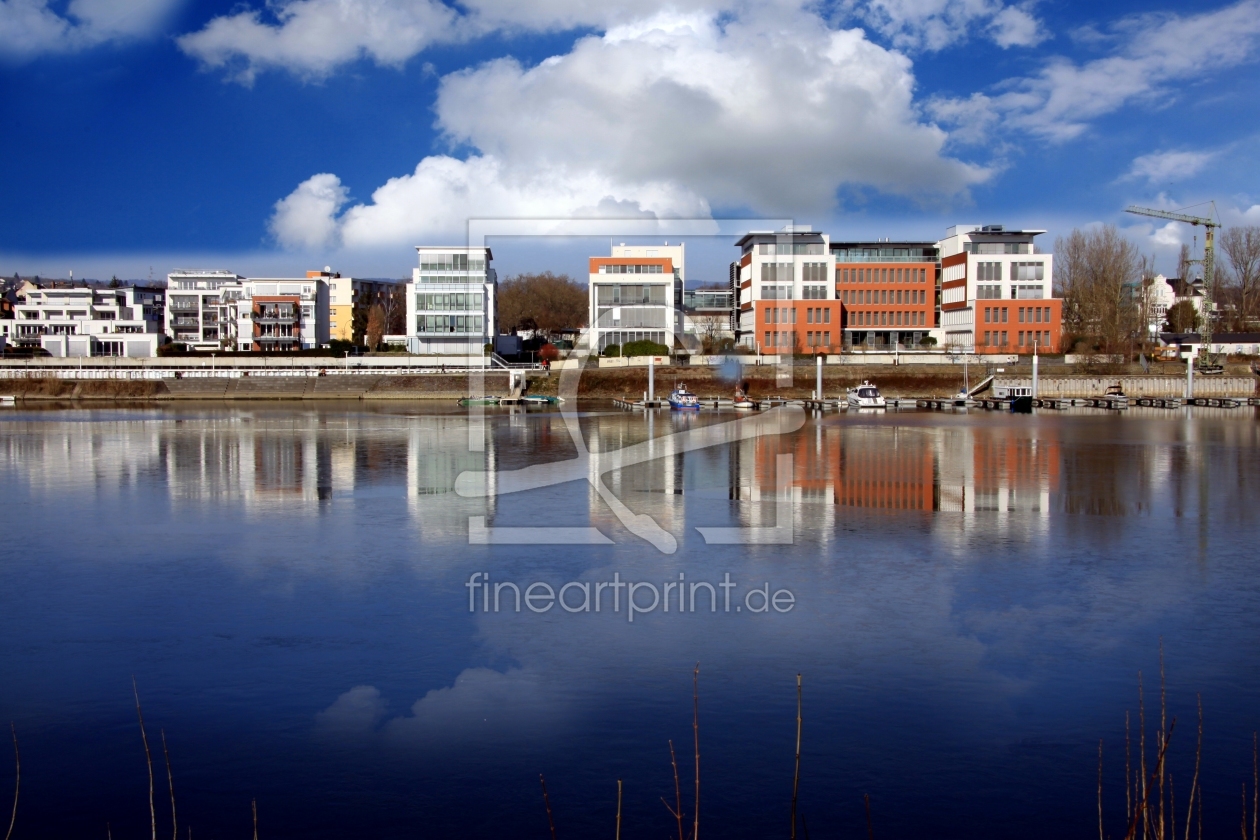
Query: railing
{"x": 852, "y": 259}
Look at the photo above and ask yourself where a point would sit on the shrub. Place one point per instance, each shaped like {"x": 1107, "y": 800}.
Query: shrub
{"x": 927, "y": 341}
{"x": 644, "y": 348}
{"x": 548, "y": 353}
{"x": 612, "y": 351}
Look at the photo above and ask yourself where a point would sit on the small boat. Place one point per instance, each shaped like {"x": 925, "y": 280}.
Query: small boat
{"x": 7, "y": 401}
{"x": 742, "y": 402}
{"x": 866, "y": 395}
{"x": 1115, "y": 396}
{"x": 540, "y": 399}
{"x": 466, "y": 401}
{"x": 680, "y": 399}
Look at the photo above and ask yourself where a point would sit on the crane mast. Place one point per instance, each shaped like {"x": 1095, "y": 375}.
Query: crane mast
{"x": 1209, "y": 226}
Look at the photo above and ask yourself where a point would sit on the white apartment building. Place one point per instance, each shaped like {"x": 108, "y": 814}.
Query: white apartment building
{"x": 276, "y": 313}
{"x": 677, "y": 255}
{"x": 776, "y": 269}
{"x": 636, "y": 297}
{"x": 193, "y": 314}
{"x": 451, "y": 301}
{"x": 85, "y": 321}
{"x": 987, "y": 273}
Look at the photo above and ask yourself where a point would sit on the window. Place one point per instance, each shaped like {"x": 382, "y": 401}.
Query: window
{"x": 827, "y": 315}
{"x": 1004, "y": 335}
{"x": 986, "y": 336}
{"x": 989, "y": 272}
{"x": 767, "y": 341}
{"x": 1028, "y": 271}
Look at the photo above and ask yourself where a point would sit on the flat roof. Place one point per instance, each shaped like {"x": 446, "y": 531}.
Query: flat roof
{"x": 777, "y": 234}
{"x": 882, "y": 244}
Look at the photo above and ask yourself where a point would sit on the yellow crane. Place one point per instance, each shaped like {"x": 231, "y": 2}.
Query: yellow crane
{"x": 1209, "y": 226}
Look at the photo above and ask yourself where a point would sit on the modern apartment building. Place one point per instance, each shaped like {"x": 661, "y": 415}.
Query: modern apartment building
{"x": 996, "y": 291}
{"x": 193, "y": 314}
{"x": 276, "y": 313}
{"x": 451, "y": 301}
{"x": 350, "y": 300}
{"x": 785, "y": 292}
{"x": 635, "y": 298}
{"x": 676, "y": 253}
{"x": 86, "y": 321}
{"x": 889, "y": 292}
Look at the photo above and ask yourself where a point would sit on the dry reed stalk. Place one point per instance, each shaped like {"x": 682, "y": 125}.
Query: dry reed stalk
{"x": 17, "y": 780}
{"x": 1142, "y": 805}
{"x": 170, "y": 783}
{"x": 796, "y": 778}
{"x": 677, "y": 810}
{"x": 870, "y": 831}
{"x": 253, "y": 807}
{"x": 1141, "y": 792}
{"x": 148, "y": 758}
{"x": 1194, "y": 783}
{"x": 805, "y": 827}
{"x": 547, "y": 804}
{"x": 1128, "y": 783}
{"x": 1162, "y": 712}
{"x": 695, "y": 727}
{"x": 1100, "y": 816}
{"x": 619, "y": 809}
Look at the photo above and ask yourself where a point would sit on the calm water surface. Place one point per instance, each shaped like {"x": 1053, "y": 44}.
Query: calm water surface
{"x": 974, "y": 598}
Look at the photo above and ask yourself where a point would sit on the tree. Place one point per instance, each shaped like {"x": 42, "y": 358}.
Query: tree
{"x": 375, "y": 326}
{"x": 545, "y": 302}
{"x": 1182, "y": 317}
{"x": 1095, "y": 273}
{"x": 393, "y": 303}
{"x": 1241, "y": 246}
{"x": 1185, "y": 266}
{"x": 710, "y": 327}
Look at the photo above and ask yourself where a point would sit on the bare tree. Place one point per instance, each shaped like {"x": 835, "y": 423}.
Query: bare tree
{"x": 1098, "y": 275}
{"x": 1241, "y": 246}
{"x": 1185, "y": 265}
{"x": 393, "y": 303}
{"x": 710, "y": 329}
{"x": 546, "y": 302}
{"x": 375, "y": 326}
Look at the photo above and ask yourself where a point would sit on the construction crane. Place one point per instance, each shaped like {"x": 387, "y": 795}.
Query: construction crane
{"x": 1209, "y": 226}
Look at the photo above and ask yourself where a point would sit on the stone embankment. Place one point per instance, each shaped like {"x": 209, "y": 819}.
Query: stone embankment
{"x": 629, "y": 383}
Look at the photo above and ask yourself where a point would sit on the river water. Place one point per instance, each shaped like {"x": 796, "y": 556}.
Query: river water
{"x": 969, "y": 600}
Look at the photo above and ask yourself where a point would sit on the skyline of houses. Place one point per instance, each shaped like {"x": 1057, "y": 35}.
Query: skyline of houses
{"x": 979, "y": 289}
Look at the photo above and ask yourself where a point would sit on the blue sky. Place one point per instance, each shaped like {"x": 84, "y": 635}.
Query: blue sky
{"x": 272, "y": 138}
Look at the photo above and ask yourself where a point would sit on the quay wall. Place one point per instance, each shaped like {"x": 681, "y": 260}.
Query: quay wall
{"x": 1134, "y": 386}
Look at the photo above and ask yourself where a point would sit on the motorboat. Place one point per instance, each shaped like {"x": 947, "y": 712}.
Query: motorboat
{"x": 1115, "y": 396}
{"x": 680, "y": 399}
{"x": 742, "y": 402}
{"x": 866, "y": 395}
{"x": 540, "y": 399}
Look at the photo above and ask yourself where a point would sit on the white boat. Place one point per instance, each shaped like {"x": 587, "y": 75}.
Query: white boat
{"x": 8, "y": 401}
{"x": 866, "y": 395}
{"x": 1115, "y": 397}
{"x": 742, "y": 402}
{"x": 680, "y": 399}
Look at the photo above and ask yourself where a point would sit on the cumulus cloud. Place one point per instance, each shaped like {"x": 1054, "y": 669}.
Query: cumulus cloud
{"x": 667, "y": 117}
{"x": 357, "y": 711}
{"x": 1163, "y": 167}
{"x": 1152, "y": 53}
{"x": 306, "y": 217}
{"x": 29, "y": 28}
{"x": 933, "y": 25}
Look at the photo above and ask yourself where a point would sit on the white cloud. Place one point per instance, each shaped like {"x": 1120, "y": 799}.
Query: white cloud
{"x": 1154, "y": 53}
{"x": 672, "y": 115}
{"x": 1163, "y": 167}
{"x": 933, "y": 25}
{"x": 29, "y": 28}
{"x": 314, "y": 37}
{"x": 305, "y": 218}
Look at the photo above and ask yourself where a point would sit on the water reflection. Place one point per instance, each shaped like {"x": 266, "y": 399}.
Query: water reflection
{"x": 904, "y": 464}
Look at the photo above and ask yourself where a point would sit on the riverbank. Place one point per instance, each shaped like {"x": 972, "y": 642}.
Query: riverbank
{"x": 617, "y": 383}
